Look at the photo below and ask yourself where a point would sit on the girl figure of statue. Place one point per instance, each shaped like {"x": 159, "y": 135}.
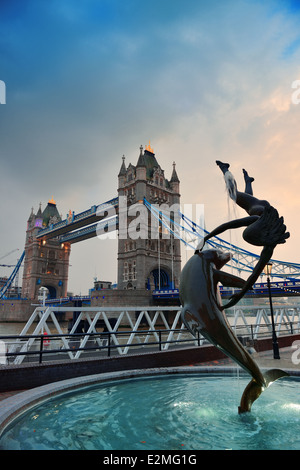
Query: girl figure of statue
{"x": 263, "y": 225}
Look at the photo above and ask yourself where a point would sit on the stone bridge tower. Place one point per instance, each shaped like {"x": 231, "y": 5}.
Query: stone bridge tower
{"x": 46, "y": 263}
{"x": 151, "y": 260}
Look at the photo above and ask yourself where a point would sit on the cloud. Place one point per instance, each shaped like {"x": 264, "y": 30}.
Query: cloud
{"x": 90, "y": 81}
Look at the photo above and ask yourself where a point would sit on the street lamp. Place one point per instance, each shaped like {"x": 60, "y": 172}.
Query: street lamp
{"x": 267, "y": 271}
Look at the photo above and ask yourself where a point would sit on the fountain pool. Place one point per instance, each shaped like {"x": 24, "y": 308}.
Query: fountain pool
{"x": 162, "y": 411}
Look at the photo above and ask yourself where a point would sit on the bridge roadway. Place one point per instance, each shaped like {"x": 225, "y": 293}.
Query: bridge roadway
{"x": 102, "y": 226}
{"x": 83, "y": 219}
{"x": 278, "y": 289}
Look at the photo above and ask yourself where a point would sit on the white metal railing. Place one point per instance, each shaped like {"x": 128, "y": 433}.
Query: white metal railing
{"x": 148, "y": 317}
{"x": 144, "y": 322}
{"x": 255, "y": 319}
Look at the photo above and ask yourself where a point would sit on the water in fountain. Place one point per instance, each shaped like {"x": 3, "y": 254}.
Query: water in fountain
{"x": 187, "y": 412}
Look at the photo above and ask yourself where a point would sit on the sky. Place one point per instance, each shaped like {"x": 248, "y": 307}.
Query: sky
{"x": 90, "y": 81}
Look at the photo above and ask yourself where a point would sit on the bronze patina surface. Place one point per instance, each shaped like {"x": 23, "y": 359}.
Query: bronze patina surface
{"x": 199, "y": 294}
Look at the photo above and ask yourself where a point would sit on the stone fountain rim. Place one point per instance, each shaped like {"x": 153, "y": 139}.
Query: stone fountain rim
{"x": 14, "y": 406}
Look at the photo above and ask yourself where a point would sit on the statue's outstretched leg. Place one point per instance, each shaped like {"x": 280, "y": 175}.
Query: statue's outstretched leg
{"x": 224, "y": 167}
{"x": 229, "y": 179}
{"x": 248, "y": 182}
{"x": 245, "y": 200}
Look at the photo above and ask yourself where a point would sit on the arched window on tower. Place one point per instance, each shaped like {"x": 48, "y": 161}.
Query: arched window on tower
{"x": 134, "y": 270}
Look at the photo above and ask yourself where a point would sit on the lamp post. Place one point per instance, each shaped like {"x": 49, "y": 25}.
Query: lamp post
{"x": 267, "y": 271}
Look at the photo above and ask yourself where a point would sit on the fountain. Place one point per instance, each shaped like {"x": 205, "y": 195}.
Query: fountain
{"x": 166, "y": 409}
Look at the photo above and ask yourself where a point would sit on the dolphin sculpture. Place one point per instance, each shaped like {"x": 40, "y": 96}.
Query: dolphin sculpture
{"x": 203, "y": 312}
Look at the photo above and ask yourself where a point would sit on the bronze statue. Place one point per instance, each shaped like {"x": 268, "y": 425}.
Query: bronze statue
{"x": 264, "y": 226}
{"x": 202, "y": 308}
{"x": 202, "y": 311}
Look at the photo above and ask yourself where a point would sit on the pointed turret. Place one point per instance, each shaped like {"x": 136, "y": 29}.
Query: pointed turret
{"x": 174, "y": 182}
{"x": 39, "y": 212}
{"x": 31, "y": 215}
{"x": 141, "y": 167}
{"x": 39, "y": 217}
{"x": 141, "y": 160}
{"x": 30, "y": 219}
{"x": 174, "y": 177}
{"x": 122, "y": 171}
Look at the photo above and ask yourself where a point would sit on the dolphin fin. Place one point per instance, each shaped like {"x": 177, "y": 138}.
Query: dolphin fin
{"x": 253, "y": 390}
{"x": 190, "y": 321}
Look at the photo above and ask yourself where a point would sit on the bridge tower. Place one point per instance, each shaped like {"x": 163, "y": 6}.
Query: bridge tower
{"x": 152, "y": 260}
{"x": 46, "y": 262}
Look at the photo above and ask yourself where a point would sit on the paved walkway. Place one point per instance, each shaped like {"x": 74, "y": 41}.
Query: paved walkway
{"x": 265, "y": 360}
{"x": 288, "y": 359}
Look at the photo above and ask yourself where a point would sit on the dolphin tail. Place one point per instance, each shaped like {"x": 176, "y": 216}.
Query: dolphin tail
{"x": 253, "y": 390}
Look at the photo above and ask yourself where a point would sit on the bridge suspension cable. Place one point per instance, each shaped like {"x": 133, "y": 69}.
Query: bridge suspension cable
{"x": 11, "y": 277}
{"x": 9, "y": 253}
{"x": 191, "y": 234}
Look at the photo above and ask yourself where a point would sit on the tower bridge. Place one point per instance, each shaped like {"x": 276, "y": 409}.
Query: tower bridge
{"x": 141, "y": 265}
{"x": 73, "y": 222}
{"x": 149, "y": 263}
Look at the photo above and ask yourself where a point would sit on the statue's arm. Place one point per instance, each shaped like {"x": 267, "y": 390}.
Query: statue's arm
{"x": 229, "y": 280}
{"x": 265, "y": 256}
{"x": 244, "y": 222}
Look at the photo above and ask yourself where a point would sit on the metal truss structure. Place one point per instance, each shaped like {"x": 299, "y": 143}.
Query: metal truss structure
{"x": 252, "y": 322}
{"x": 149, "y": 316}
{"x": 257, "y": 320}
{"x": 243, "y": 261}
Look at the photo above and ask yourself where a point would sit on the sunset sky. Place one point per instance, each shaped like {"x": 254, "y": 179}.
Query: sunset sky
{"x": 90, "y": 81}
